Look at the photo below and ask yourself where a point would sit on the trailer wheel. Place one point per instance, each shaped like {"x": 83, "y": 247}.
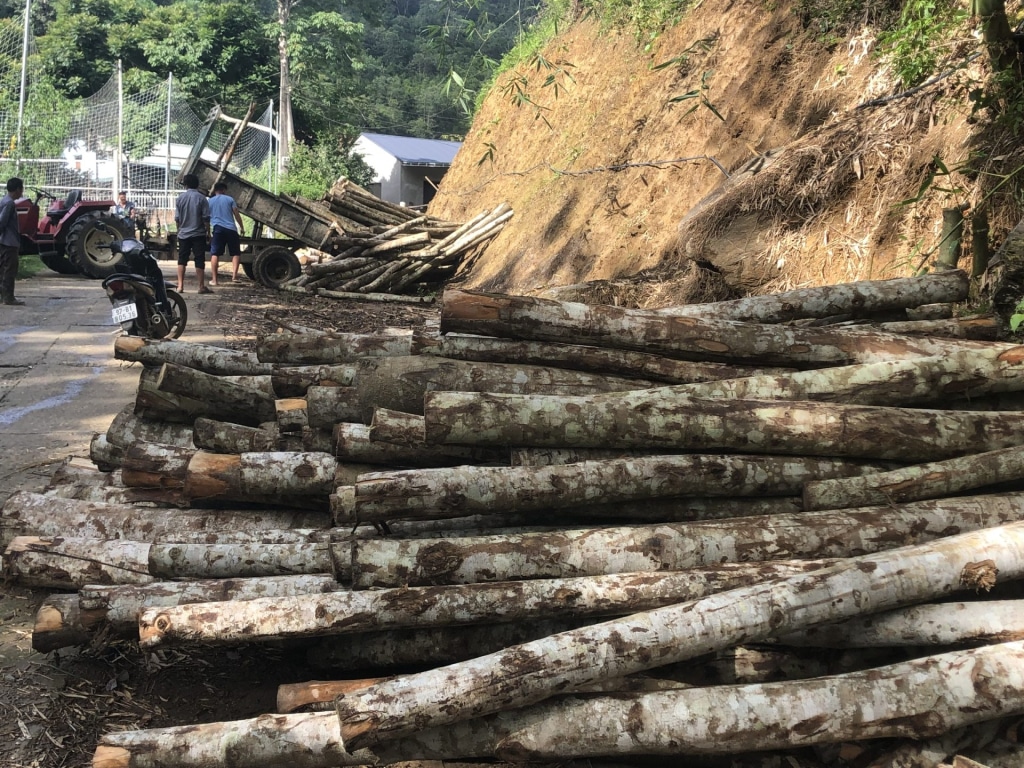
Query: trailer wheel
{"x": 247, "y": 269}
{"x": 276, "y": 265}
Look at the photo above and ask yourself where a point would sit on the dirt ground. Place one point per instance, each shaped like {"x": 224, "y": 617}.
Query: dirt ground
{"x": 53, "y": 708}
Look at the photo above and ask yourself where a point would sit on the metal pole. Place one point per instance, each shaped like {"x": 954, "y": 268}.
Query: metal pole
{"x": 167, "y": 173}
{"x": 24, "y": 72}
{"x": 270, "y": 152}
{"x": 120, "y": 131}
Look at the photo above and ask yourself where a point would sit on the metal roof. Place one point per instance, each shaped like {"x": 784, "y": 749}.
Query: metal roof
{"x": 412, "y": 151}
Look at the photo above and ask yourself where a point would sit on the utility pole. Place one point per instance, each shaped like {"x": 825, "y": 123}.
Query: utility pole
{"x": 24, "y": 73}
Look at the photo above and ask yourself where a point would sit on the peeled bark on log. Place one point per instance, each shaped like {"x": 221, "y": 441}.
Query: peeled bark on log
{"x": 619, "y": 362}
{"x": 458, "y": 491}
{"x": 151, "y": 465}
{"x": 330, "y": 348}
{"x": 226, "y": 437}
{"x": 863, "y": 298}
{"x": 915, "y": 699}
{"x": 797, "y": 427}
{"x": 988, "y": 621}
{"x": 685, "y": 338}
{"x": 354, "y": 442}
{"x": 233, "y": 401}
{"x": 532, "y": 672}
{"x": 126, "y": 428}
{"x": 629, "y": 549}
{"x": 291, "y": 414}
{"x": 104, "y": 454}
{"x": 66, "y": 563}
{"x": 279, "y": 618}
{"x": 209, "y": 359}
{"x": 920, "y": 481}
{"x": 930, "y": 379}
{"x": 58, "y": 624}
{"x": 35, "y": 514}
{"x": 254, "y": 476}
{"x": 296, "y": 695}
{"x": 223, "y": 561}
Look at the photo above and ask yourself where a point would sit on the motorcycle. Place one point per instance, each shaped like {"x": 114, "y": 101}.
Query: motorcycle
{"x": 141, "y": 300}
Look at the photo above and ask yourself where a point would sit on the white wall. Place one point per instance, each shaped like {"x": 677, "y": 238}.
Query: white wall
{"x": 387, "y": 169}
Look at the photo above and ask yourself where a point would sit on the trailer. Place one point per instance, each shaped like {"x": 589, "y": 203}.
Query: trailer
{"x": 296, "y": 223}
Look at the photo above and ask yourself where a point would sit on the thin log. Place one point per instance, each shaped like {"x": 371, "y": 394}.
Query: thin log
{"x": 234, "y": 401}
{"x": 685, "y": 338}
{"x": 710, "y": 424}
{"x": 464, "y": 490}
{"x": 151, "y": 403}
{"x": 377, "y": 297}
{"x": 920, "y": 481}
{"x": 668, "y": 635}
{"x": 862, "y": 299}
{"x": 104, "y": 454}
{"x": 355, "y": 443}
{"x": 151, "y": 465}
{"x": 203, "y": 357}
{"x": 75, "y": 470}
{"x": 279, "y": 618}
{"x": 330, "y": 348}
{"x": 981, "y": 327}
{"x": 58, "y": 624}
{"x": 293, "y": 696}
{"x": 628, "y": 549}
{"x": 294, "y": 381}
{"x": 65, "y": 563}
{"x": 223, "y": 561}
{"x": 226, "y": 437}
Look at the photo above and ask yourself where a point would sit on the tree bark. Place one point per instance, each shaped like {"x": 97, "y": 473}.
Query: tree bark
{"x": 293, "y": 696}
{"x": 279, "y": 618}
{"x": 327, "y": 406}
{"x": 250, "y": 401}
{"x": 66, "y": 563}
{"x": 322, "y": 348}
{"x": 979, "y": 327}
{"x": 104, "y": 454}
{"x": 988, "y": 621}
{"x": 685, "y": 338}
{"x": 223, "y": 561}
{"x": 126, "y": 428}
{"x": 208, "y": 359}
{"x": 260, "y": 476}
{"x": 58, "y": 624}
{"x": 532, "y": 672}
{"x": 355, "y": 442}
{"x": 226, "y": 437}
{"x": 291, "y": 414}
{"x": 151, "y": 465}
{"x": 619, "y": 362}
{"x": 915, "y": 699}
{"x": 151, "y": 403}
{"x": 628, "y": 549}
{"x": 293, "y": 381}
{"x": 920, "y": 481}
{"x": 711, "y": 424}
{"x": 464, "y": 490}
{"x": 860, "y": 299}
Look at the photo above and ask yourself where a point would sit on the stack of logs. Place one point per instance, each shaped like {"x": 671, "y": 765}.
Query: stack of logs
{"x": 577, "y": 522}
{"x": 394, "y": 250}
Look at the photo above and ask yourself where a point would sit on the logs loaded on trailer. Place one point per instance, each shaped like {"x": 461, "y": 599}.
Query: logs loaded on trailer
{"x": 556, "y": 531}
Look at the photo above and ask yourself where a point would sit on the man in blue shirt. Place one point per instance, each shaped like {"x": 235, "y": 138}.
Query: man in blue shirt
{"x": 224, "y": 215}
{"x": 192, "y": 215}
{"x": 10, "y": 242}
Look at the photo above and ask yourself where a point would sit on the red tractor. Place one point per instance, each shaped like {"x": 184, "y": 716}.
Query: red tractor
{"x": 69, "y": 236}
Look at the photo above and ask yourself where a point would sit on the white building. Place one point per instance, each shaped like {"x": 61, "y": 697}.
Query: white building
{"x": 406, "y": 170}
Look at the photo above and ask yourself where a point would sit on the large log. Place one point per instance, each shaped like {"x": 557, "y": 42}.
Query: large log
{"x": 628, "y": 549}
{"x": 104, "y": 454}
{"x": 798, "y": 427}
{"x": 920, "y": 481}
{"x": 916, "y": 699}
{"x": 859, "y": 299}
{"x": 223, "y": 561}
{"x": 355, "y": 443}
{"x": 248, "y": 402}
{"x": 152, "y": 465}
{"x": 126, "y": 428}
{"x": 619, "y": 362}
{"x": 227, "y": 437}
{"x": 152, "y": 403}
{"x": 65, "y": 563}
{"x": 685, "y": 338}
{"x": 279, "y": 618}
{"x": 464, "y": 490}
{"x": 260, "y": 476}
{"x": 532, "y": 672}
{"x": 209, "y": 359}
{"x": 293, "y": 381}
{"x": 329, "y": 348}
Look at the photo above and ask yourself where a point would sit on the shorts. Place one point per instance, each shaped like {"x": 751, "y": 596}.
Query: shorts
{"x": 224, "y": 237}
{"x": 192, "y": 247}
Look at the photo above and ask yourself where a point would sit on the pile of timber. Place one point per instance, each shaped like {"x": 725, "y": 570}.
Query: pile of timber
{"x": 392, "y": 250}
{"x": 590, "y": 531}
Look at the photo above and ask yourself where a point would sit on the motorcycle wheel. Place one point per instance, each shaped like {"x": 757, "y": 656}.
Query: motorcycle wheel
{"x": 179, "y": 315}
{"x": 86, "y": 240}
{"x": 58, "y": 262}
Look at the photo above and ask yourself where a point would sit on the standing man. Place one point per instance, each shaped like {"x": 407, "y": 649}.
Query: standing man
{"x": 192, "y": 215}
{"x": 10, "y": 242}
{"x": 224, "y": 215}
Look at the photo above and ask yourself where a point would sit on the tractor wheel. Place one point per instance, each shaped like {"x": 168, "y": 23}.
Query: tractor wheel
{"x": 276, "y": 265}
{"x": 87, "y": 243}
{"x": 58, "y": 262}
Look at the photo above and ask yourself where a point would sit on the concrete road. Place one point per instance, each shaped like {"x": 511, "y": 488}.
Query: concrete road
{"x": 59, "y": 381}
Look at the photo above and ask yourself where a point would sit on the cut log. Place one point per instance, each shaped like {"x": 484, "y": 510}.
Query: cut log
{"x": 58, "y": 624}
{"x": 685, "y": 338}
{"x": 330, "y": 348}
{"x": 247, "y": 402}
{"x": 66, "y": 563}
{"x": 226, "y": 437}
{"x": 619, "y": 362}
{"x": 151, "y": 465}
{"x": 151, "y": 403}
{"x": 327, "y": 406}
{"x": 126, "y": 428}
{"x": 295, "y": 380}
{"x": 255, "y": 476}
{"x": 862, "y": 299}
{"x": 291, "y": 414}
{"x": 355, "y": 442}
{"x": 105, "y": 455}
{"x": 797, "y": 427}
{"x": 988, "y": 621}
{"x": 629, "y": 549}
{"x": 458, "y": 491}
{"x": 209, "y": 359}
{"x": 291, "y": 697}
{"x": 915, "y": 699}
{"x": 979, "y": 327}
{"x": 223, "y": 561}
{"x": 75, "y": 470}
{"x": 279, "y": 618}
{"x": 619, "y": 647}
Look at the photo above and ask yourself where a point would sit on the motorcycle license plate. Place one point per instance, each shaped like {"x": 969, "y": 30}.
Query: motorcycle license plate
{"x": 124, "y": 312}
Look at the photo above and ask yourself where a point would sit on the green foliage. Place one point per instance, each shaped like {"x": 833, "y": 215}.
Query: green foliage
{"x": 313, "y": 168}
{"x": 645, "y": 18}
{"x": 29, "y": 266}
{"x": 829, "y": 20}
{"x": 1017, "y": 317}
{"x": 915, "y": 43}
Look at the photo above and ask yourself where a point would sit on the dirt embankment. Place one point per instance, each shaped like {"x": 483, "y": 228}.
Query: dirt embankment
{"x": 794, "y": 186}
